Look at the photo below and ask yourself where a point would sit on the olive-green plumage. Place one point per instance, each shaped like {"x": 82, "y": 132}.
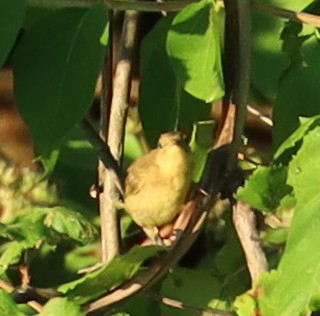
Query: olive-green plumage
{"x": 157, "y": 183}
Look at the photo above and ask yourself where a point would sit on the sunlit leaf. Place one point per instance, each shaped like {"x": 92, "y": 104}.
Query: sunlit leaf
{"x": 304, "y": 168}
{"x": 265, "y": 188}
{"x": 194, "y": 49}
{"x": 163, "y": 104}
{"x": 297, "y": 92}
{"x": 118, "y": 271}
{"x": 69, "y": 223}
{"x": 292, "y": 141}
{"x": 61, "y": 307}
{"x": 8, "y": 306}
{"x": 289, "y": 290}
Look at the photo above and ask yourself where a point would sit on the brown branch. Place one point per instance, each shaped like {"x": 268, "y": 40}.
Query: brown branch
{"x": 115, "y": 136}
{"x": 245, "y": 224}
{"x": 300, "y": 17}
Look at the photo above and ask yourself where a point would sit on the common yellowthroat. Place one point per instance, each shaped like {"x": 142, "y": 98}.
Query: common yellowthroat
{"x": 157, "y": 184}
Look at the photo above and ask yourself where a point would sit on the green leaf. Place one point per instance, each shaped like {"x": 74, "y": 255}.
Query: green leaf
{"x": 11, "y": 18}
{"x": 7, "y": 305}
{"x": 43, "y": 224}
{"x": 245, "y": 304}
{"x": 49, "y": 162}
{"x": 158, "y": 88}
{"x": 268, "y": 61}
{"x": 163, "y": 106}
{"x": 304, "y": 169}
{"x": 201, "y": 142}
{"x": 265, "y": 188}
{"x": 292, "y": 141}
{"x": 81, "y": 257}
{"x": 289, "y": 290}
{"x": 194, "y": 48}
{"x": 298, "y": 92}
{"x": 276, "y": 236}
{"x": 12, "y": 254}
{"x": 118, "y": 271}
{"x": 139, "y": 304}
{"x": 181, "y": 283}
{"x": 56, "y": 66}
{"x": 230, "y": 264}
{"x": 25, "y": 234}
{"x": 61, "y": 307}
{"x": 70, "y": 223}
{"x": 28, "y": 229}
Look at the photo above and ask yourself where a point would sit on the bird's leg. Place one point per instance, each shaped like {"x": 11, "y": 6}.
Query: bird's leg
{"x": 153, "y": 234}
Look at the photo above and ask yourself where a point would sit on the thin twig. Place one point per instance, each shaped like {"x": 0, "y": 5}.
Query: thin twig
{"x": 245, "y": 224}
{"x": 181, "y": 305}
{"x": 104, "y": 153}
{"x": 105, "y": 106}
{"x": 300, "y": 17}
{"x": 263, "y": 118}
{"x": 115, "y": 136}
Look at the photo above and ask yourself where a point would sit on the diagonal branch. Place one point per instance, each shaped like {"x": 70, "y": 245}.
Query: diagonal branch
{"x": 300, "y": 17}
{"x": 104, "y": 153}
{"x": 245, "y": 224}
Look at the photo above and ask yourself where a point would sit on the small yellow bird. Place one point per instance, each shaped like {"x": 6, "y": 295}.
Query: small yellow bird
{"x": 157, "y": 184}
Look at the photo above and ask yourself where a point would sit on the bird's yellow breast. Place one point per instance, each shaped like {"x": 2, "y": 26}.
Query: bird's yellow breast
{"x": 157, "y": 185}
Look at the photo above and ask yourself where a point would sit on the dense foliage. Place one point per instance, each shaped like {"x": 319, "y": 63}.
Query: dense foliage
{"x": 56, "y": 56}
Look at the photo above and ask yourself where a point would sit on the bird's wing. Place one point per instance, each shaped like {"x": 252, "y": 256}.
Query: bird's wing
{"x": 138, "y": 173}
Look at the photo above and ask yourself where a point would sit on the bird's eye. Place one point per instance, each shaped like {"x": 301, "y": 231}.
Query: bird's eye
{"x": 160, "y": 145}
